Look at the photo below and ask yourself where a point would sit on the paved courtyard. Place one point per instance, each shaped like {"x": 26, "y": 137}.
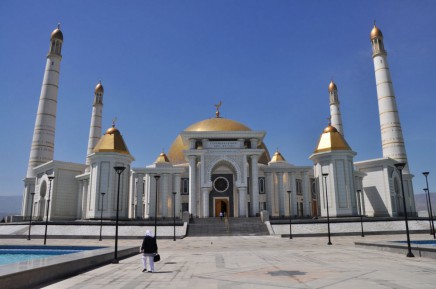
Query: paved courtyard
{"x": 259, "y": 262}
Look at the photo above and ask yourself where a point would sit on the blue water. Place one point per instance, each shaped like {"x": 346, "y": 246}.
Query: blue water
{"x": 420, "y": 242}
{"x": 15, "y": 254}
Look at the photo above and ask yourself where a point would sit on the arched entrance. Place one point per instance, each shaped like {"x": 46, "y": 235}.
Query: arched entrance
{"x": 221, "y": 196}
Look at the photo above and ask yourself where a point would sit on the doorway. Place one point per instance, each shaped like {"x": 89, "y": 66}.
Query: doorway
{"x": 221, "y": 205}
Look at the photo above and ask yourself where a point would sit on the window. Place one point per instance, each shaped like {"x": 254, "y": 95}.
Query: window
{"x": 299, "y": 190}
{"x": 185, "y": 186}
{"x": 262, "y": 185}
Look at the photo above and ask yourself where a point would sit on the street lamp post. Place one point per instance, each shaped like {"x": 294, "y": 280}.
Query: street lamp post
{"x": 156, "y": 177}
{"x": 400, "y": 167}
{"x": 50, "y": 178}
{"x": 119, "y": 170}
{"x": 101, "y": 214}
{"x": 31, "y": 213}
{"x": 174, "y": 214}
{"x": 327, "y": 204}
{"x": 432, "y": 232}
{"x": 359, "y": 195}
{"x": 290, "y": 215}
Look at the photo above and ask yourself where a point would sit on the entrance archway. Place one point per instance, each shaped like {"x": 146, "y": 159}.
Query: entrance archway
{"x": 221, "y": 205}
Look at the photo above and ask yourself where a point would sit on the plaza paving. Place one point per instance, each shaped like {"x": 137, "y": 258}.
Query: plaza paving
{"x": 258, "y": 262}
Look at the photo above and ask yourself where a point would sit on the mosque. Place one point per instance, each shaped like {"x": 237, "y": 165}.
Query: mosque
{"x": 215, "y": 166}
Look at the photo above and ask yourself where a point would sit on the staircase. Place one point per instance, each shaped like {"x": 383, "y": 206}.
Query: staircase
{"x": 226, "y": 227}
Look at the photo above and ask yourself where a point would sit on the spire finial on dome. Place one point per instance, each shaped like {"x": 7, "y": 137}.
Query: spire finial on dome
{"x": 217, "y": 112}
{"x": 59, "y": 25}
{"x": 113, "y": 121}
{"x": 330, "y": 120}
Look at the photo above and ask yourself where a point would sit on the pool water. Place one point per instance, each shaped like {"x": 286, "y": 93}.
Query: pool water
{"x": 15, "y": 254}
{"x": 420, "y": 242}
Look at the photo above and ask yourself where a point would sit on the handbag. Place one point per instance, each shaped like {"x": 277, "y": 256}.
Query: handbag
{"x": 156, "y": 257}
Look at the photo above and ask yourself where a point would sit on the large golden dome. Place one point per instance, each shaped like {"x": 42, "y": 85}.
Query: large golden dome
{"x": 175, "y": 154}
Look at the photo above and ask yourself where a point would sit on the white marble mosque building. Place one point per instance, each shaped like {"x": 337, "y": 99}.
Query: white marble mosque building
{"x": 215, "y": 165}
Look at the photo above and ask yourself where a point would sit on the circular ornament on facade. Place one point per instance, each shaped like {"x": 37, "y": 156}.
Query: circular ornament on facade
{"x": 221, "y": 184}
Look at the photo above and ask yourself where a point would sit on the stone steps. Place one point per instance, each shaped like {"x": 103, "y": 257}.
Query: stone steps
{"x": 226, "y": 227}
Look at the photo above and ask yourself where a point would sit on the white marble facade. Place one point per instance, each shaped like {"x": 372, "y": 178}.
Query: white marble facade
{"x": 216, "y": 165}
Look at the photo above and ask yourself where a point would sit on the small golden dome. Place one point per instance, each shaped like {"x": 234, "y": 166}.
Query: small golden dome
{"x": 330, "y": 128}
{"x": 99, "y": 88}
{"x": 331, "y": 140}
{"x": 176, "y": 155}
{"x": 332, "y": 86}
{"x": 277, "y": 157}
{"x": 162, "y": 158}
{"x": 57, "y": 34}
{"x": 376, "y": 33}
{"x": 111, "y": 141}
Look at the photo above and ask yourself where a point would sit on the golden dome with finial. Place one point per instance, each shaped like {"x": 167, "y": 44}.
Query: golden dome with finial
{"x": 162, "y": 158}
{"x": 376, "y": 33}
{"x": 277, "y": 157}
{"x": 331, "y": 140}
{"x": 111, "y": 141}
{"x": 99, "y": 88}
{"x": 176, "y": 155}
{"x": 57, "y": 33}
{"x": 332, "y": 86}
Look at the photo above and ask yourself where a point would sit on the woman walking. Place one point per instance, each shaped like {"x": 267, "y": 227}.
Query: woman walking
{"x": 148, "y": 249}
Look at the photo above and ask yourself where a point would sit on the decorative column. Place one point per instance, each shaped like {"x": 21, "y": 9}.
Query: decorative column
{"x": 269, "y": 186}
{"x": 192, "y": 185}
{"x": 84, "y": 198}
{"x": 282, "y": 200}
{"x": 307, "y": 196}
{"x": 293, "y": 188}
{"x": 164, "y": 195}
{"x": 139, "y": 196}
{"x": 254, "y": 194}
{"x": 152, "y": 196}
{"x": 177, "y": 183}
{"x": 205, "y": 199}
{"x": 242, "y": 202}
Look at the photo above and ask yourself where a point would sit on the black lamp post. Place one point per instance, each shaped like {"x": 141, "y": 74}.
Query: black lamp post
{"x": 327, "y": 204}
{"x": 290, "y": 215}
{"x": 156, "y": 177}
{"x": 31, "y": 213}
{"x": 50, "y": 178}
{"x": 432, "y": 232}
{"x": 400, "y": 167}
{"x": 359, "y": 195}
{"x": 119, "y": 170}
{"x": 101, "y": 213}
{"x": 174, "y": 214}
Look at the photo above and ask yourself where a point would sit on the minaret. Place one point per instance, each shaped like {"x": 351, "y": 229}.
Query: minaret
{"x": 391, "y": 133}
{"x": 95, "y": 127}
{"x": 335, "y": 113}
{"x": 42, "y": 149}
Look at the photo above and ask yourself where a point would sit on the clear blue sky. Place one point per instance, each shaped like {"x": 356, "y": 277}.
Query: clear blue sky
{"x": 164, "y": 64}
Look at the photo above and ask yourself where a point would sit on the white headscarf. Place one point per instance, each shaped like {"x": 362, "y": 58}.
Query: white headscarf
{"x": 148, "y": 233}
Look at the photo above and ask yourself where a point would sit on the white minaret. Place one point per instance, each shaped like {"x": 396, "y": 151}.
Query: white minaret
{"x": 335, "y": 113}
{"x": 95, "y": 127}
{"x": 42, "y": 149}
{"x": 391, "y": 133}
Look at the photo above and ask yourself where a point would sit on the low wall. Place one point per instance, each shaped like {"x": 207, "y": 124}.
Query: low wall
{"x": 35, "y": 272}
